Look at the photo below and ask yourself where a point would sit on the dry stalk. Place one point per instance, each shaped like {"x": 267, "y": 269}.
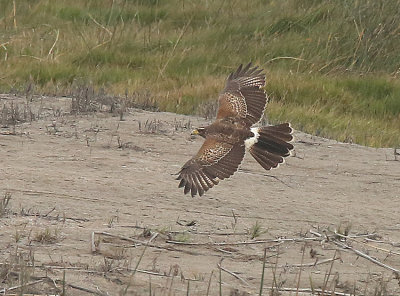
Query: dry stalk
{"x": 150, "y": 245}
{"x": 301, "y": 264}
{"x": 328, "y": 276}
{"x": 38, "y": 279}
{"x": 274, "y": 269}
{"x": 14, "y": 15}
{"x": 312, "y": 291}
{"x": 311, "y": 264}
{"x": 361, "y": 254}
{"x": 209, "y": 283}
{"x": 100, "y": 25}
{"x": 263, "y": 272}
{"x": 93, "y": 245}
{"x": 372, "y": 246}
{"x": 79, "y": 269}
{"x": 54, "y": 44}
{"x": 301, "y": 239}
{"x": 5, "y": 290}
{"x": 232, "y": 274}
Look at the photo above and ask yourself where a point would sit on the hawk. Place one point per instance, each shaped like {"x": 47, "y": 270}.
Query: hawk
{"x": 241, "y": 105}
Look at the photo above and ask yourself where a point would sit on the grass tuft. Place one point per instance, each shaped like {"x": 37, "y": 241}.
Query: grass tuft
{"x": 47, "y": 236}
{"x": 256, "y": 230}
{"x": 4, "y": 204}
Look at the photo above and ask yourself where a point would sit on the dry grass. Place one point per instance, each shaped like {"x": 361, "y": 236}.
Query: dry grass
{"x": 47, "y": 235}
{"x": 4, "y": 204}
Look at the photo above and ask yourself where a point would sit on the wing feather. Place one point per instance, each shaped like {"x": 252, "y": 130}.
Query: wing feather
{"x": 216, "y": 160}
{"x": 243, "y": 96}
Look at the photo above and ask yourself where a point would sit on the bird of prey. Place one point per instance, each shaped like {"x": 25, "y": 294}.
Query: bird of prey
{"x": 241, "y": 105}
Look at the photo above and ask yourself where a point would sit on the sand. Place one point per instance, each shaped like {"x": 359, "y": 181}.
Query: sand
{"x": 80, "y": 183}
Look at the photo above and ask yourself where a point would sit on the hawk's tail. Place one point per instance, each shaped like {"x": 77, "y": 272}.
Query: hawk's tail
{"x": 270, "y": 144}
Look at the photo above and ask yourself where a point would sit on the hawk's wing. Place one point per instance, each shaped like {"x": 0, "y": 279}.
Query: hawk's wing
{"x": 215, "y": 161}
{"x": 243, "y": 96}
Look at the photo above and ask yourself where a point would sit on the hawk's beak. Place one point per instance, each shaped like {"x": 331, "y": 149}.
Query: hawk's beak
{"x": 195, "y": 132}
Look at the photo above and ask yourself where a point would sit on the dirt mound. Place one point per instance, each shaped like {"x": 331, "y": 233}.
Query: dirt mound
{"x": 94, "y": 196}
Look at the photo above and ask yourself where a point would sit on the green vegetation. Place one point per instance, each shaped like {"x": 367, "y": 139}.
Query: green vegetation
{"x": 332, "y": 66}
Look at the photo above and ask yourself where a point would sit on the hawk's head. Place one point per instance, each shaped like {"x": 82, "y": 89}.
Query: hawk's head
{"x": 199, "y": 131}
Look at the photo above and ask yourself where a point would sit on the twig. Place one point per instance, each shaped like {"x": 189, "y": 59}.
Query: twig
{"x": 3, "y": 291}
{"x": 315, "y": 233}
{"x": 93, "y": 245}
{"x": 150, "y": 245}
{"x": 83, "y": 289}
{"x": 33, "y": 57}
{"x": 301, "y": 239}
{"x": 220, "y": 278}
{"x": 48, "y": 279}
{"x": 14, "y": 15}
{"x": 393, "y": 244}
{"x": 285, "y": 58}
{"x": 361, "y": 254}
{"x": 100, "y": 25}
{"x": 263, "y": 272}
{"x": 57, "y": 218}
{"x": 313, "y": 291}
{"x": 54, "y": 44}
{"x": 274, "y": 268}
{"x": 153, "y": 237}
{"x": 4, "y": 44}
{"x": 132, "y": 240}
{"x": 151, "y": 272}
{"x": 209, "y": 283}
{"x": 302, "y": 260}
{"x": 79, "y": 269}
{"x": 377, "y": 248}
{"x": 329, "y": 274}
{"x": 48, "y": 213}
{"x": 135, "y": 270}
{"x": 8, "y": 133}
{"x": 312, "y": 264}
{"x": 232, "y": 274}
{"x": 218, "y": 233}
{"x": 224, "y": 251}
{"x": 240, "y": 216}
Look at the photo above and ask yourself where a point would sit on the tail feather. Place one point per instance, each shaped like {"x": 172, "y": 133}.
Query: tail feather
{"x": 272, "y": 145}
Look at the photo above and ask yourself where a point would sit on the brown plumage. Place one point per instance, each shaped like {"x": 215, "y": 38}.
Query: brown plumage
{"x": 241, "y": 105}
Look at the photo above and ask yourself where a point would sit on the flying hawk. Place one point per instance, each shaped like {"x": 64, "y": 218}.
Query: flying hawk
{"x": 241, "y": 105}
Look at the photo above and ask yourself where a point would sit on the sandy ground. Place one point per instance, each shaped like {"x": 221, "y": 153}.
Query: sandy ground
{"x": 89, "y": 191}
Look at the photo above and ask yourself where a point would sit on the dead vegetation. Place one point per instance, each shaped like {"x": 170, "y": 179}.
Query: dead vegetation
{"x": 120, "y": 261}
{"x": 85, "y": 98}
{"x": 12, "y": 114}
{"x": 4, "y": 204}
{"x": 22, "y": 273}
{"x": 47, "y": 235}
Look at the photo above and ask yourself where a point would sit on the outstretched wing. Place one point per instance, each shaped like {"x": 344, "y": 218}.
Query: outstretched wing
{"x": 215, "y": 161}
{"x": 243, "y": 96}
